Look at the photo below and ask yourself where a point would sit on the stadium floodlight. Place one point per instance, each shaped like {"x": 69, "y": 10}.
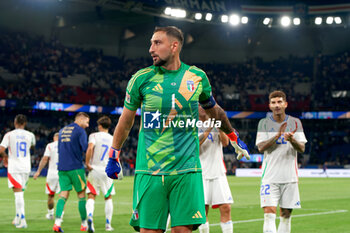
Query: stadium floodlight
{"x": 208, "y": 17}
{"x": 244, "y": 20}
{"x": 167, "y": 11}
{"x": 296, "y": 21}
{"x": 178, "y": 13}
{"x": 318, "y": 20}
{"x": 224, "y": 18}
{"x": 329, "y": 20}
{"x": 266, "y": 21}
{"x": 198, "y": 16}
{"x": 234, "y": 20}
{"x": 337, "y": 20}
{"x": 285, "y": 21}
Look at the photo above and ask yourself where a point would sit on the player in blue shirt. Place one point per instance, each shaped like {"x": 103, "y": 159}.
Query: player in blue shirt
{"x": 72, "y": 144}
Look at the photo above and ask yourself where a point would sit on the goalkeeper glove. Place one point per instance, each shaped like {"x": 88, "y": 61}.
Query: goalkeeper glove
{"x": 241, "y": 148}
{"x": 114, "y": 168}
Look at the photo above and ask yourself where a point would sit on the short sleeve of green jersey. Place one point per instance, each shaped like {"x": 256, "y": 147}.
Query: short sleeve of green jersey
{"x": 206, "y": 87}
{"x": 133, "y": 95}
{"x": 206, "y": 93}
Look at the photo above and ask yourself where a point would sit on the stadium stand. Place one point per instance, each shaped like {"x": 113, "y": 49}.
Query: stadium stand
{"x": 33, "y": 69}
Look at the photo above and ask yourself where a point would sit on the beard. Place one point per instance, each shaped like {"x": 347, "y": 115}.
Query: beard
{"x": 160, "y": 62}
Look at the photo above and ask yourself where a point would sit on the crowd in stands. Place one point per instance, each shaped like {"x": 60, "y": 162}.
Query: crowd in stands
{"x": 32, "y": 68}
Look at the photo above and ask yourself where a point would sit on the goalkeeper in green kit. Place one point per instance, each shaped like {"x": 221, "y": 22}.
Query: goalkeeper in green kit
{"x": 168, "y": 174}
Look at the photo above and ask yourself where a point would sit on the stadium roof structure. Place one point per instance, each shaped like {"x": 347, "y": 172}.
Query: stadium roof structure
{"x": 212, "y": 12}
{"x": 122, "y": 27}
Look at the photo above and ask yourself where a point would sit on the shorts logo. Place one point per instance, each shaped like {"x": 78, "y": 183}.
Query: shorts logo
{"x": 298, "y": 203}
{"x": 197, "y": 215}
{"x": 135, "y": 215}
{"x": 190, "y": 85}
{"x": 151, "y": 120}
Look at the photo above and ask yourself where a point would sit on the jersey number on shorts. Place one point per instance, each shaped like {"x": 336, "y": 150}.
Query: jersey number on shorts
{"x": 21, "y": 147}
{"x": 265, "y": 190}
{"x": 105, "y": 151}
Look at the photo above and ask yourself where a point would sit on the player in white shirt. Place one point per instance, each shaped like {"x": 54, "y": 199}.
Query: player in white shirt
{"x": 96, "y": 161}
{"x": 280, "y": 137}
{"x": 52, "y": 184}
{"x": 217, "y": 192}
{"x": 18, "y": 141}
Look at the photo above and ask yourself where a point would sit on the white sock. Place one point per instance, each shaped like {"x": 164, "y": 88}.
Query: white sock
{"x": 58, "y": 221}
{"x": 269, "y": 223}
{"x": 109, "y": 210}
{"x": 90, "y": 206}
{"x": 19, "y": 202}
{"x": 226, "y": 227}
{"x": 51, "y": 212}
{"x": 204, "y": 228}
{"x": 84, "y": 223}
{"x": 285, "y": 225}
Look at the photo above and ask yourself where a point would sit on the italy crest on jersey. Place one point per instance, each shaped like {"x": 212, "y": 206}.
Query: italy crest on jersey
{"x": 190, "y": 85}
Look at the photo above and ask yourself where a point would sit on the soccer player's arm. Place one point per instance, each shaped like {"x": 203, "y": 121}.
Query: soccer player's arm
{"x": 43, "y": 162}
{"x": 132, "y": 101}
{"x": 224, "y": 139}
{"x": 263, "y": 142}
{"x": 4, "y": 155}
{"x": 33, "y": 142}
{"x": 213, "y": 110}
{"x": 83, "y": 139}
{"x": 4, "y": 144}
{"x": 90, "y": 152}
{"x": 297, "y": 137}
{"x": 202, "y": 137}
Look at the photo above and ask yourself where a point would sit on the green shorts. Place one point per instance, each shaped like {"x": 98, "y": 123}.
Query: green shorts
{"x": 74, "y": 177}
{"x": 156, "y": 196}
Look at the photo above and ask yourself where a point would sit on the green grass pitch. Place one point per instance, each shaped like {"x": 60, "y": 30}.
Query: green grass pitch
{"x": 325, "y": 207}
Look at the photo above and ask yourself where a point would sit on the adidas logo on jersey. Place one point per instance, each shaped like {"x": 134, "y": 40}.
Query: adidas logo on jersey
{"x": 158, "y": 88}
{"x": 197, "y": 215}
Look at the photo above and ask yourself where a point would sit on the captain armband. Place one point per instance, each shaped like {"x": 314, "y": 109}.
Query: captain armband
{"x": 209, "y": 103}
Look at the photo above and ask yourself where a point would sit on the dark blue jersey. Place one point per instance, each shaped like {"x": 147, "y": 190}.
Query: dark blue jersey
{"x": 72, "y": 143}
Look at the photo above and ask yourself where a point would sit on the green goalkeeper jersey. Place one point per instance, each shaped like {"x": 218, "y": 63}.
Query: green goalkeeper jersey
{"x": 168, "y": 139}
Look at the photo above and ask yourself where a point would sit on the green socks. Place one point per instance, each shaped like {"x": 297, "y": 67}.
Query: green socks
{"x": 60, "y": 206}
{"x": 82, "y": 208}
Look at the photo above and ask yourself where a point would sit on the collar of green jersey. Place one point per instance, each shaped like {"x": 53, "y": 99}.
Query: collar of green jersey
{"x": 162, "y": 69}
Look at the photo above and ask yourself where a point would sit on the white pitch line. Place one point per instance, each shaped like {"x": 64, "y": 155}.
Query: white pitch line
{"x": 96, "y": 202}
{"x": 293, "y": 216}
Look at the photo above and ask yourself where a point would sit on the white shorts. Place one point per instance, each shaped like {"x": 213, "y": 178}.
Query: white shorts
{"x": 18, "y": 180}
{"x": 98, "y": 180}
{"x": 52, "y": 185}
{"x": 285, "y": 195}
{"x": 217, "y": 191}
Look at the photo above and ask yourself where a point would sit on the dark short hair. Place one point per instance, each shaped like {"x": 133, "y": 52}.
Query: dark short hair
{"x": 275, "y": 94}
{"x": 105, "y": 122}
{"x": 171, "y": 31}
{"x": 82, "y": 114}
{"x": 21, "y": 119}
